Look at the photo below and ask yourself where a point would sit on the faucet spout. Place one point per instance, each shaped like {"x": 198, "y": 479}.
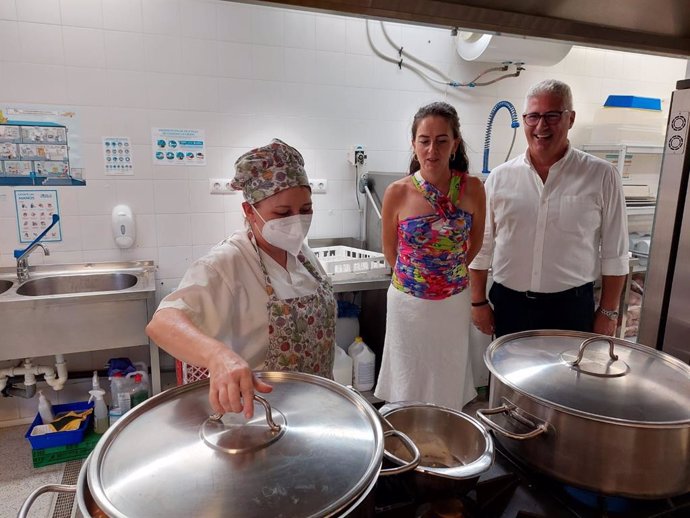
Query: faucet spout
{"x": 22, "y": 256}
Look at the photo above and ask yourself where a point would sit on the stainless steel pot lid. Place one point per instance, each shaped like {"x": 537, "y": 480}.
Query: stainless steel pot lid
{"x": 640, "y": 385}
{"x": 167, "y": 458}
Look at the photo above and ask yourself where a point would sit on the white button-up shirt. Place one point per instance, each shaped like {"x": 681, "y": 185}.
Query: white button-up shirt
{"x": 551, "y": 236}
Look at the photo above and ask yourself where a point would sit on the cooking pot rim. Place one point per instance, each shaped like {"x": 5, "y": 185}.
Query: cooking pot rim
{"x": 474, "y": 468}
{"x": 658, "y": 355}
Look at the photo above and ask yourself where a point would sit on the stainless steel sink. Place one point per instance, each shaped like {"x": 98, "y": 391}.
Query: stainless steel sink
{"x": 66, "y": 284}
{"x": 5, "y": 285}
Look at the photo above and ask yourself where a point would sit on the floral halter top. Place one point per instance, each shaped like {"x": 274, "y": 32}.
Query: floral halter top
{"x": 432, "y": 248}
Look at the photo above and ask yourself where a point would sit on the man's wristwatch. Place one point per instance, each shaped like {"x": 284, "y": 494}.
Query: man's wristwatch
{"x": 611, "y": 315}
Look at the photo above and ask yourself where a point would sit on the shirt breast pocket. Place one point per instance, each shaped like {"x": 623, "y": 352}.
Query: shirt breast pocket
{"x": 580, "y": 214}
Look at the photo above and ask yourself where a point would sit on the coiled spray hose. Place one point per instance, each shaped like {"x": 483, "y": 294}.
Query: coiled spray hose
{"x": 487, "y": 138}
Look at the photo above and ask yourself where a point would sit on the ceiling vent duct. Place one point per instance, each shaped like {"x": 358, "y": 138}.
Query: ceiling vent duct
{"x": 490, "y": 48}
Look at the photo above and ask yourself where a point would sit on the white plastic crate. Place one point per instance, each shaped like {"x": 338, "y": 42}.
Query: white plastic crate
{"x": 346, "y": 263}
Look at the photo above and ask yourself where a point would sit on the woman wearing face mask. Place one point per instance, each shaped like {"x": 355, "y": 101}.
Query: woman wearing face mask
{"x": 259, "y": 299}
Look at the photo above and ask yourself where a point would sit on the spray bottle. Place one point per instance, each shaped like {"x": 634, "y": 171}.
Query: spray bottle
{"x": 95, "y": 384}
{"x": 45, "y": 409}
{"x": 100, "y": 410}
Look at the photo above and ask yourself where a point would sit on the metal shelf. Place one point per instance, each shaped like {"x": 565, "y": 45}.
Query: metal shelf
{"x": 633, "y": 149}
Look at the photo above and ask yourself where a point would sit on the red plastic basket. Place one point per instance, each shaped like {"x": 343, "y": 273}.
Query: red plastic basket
{"x": 187, "y": 373}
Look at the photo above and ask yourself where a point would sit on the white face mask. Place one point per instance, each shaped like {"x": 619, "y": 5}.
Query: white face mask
{"x": 286, "y": 233}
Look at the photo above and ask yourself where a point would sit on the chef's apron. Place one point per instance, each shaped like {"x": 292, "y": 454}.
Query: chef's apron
{"x": 301, "y": 330}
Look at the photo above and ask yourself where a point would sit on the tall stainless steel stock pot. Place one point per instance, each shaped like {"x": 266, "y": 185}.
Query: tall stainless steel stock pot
{"x": 593, "y": 411}
{"x": 313, "y": 449}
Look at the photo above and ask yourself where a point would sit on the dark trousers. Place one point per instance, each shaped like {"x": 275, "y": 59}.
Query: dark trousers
{"x": 515, "y": 311}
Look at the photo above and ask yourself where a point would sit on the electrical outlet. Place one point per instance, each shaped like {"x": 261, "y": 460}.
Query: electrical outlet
{"x": 220, "y": 186}
{"x": 318, "y": 185}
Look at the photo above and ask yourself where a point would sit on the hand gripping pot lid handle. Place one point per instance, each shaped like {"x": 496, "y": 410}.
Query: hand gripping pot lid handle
{"x": 614, "y": 380}
{"x": 323, "y": 460}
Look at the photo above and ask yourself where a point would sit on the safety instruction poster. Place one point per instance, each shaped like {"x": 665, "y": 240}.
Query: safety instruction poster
{"x": 176, "y": 146}
{"x": 35, "y": 211}
{"x": 118, "y": 158}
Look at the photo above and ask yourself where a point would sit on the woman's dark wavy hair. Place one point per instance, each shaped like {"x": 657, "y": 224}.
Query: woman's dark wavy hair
{"x": 445, "y": 110}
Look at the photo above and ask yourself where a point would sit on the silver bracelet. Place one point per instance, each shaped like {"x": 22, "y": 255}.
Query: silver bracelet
{"x": 611, "y": 315}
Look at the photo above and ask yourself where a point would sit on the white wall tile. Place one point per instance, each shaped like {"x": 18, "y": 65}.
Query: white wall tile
{"x": 86, "y": 86}
{"x": 233, "y": 97}
{"x": 128, "y": 89}
{"x": 331, "y": 68}
{"x": 10, "y": 48}
{"x": 166, "y": 91}
{"x": 124, "y": 50}
{"x": 300, "y": 65}
{"x": 161, "y": 16}
{"x": 96, "y": 232}
{"x": 201, "y": 201}
{"x": 268, "y": 63}
{"x": 82, "y": 13}
{"x": 234, "y": 59}
{"x": 33, "y": 84}
{"x": 132, "y": 123}
{"x": 234, "y": 221}
{"x": 146, "y": 233}
{"x": 39, "y": 11}
{"x": 208, "y": 229}
{"x": 8, "y": 10}
{"x": 83, "y": 47}
{"x": 199, "y": 19}
{"x": 267, "y": 26}
{"x": 163, "y": 53}
{"x": 199, "y": 57}
{"x": 234, "y": 22}
{"x": 331, "y": 33}
{"x": 173, "y": 229}
{"x": 173, "y": 261}
{"x": 97, "y": 197}
{"x": 300, "y": 30}
{"x": 171, "y": 197}
{"x": 41, "y": 43}
{"x": 138, "y": 194}
{"x": 122, "y": 15}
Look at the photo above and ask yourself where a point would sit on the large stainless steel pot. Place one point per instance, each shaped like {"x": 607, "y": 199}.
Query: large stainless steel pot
{"x": 315, "y": 449}
{"x": 455, "y": 449}
{"x": 593, "y": 411}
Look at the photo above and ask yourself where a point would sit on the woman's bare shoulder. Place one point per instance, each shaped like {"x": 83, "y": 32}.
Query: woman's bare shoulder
{"x": 473, "y": 184}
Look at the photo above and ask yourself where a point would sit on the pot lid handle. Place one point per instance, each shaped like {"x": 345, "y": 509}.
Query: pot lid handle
{"x": 230, "y": 433}
{"x": 267, "y": 407}
{"x": 584, "y": 345}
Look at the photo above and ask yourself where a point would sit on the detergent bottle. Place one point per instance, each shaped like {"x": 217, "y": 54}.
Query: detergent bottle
{"x": 363, "y": 364}
{"x": 100, "y": 411}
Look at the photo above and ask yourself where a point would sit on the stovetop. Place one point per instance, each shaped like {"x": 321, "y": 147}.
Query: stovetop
{"x": 509, "y": 490}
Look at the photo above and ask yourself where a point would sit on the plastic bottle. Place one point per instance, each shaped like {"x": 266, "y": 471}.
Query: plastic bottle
{"x": 363, "y": 364}
{"x": 95, "y": 383}
{"x": 119, "y": 396}
{"x": 45, "y": 409}
{"x": 100, "y": 411}
{"x": 342, "y": 368}
{"x": 139, "y": 390}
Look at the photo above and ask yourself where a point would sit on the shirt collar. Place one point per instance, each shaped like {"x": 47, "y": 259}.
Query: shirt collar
{"x": 557, "y": 166}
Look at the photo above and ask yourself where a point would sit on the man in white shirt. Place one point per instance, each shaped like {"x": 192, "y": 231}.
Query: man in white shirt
{"x": 555, "y": 222}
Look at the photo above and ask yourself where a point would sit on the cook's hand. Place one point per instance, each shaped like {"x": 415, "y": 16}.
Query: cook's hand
{"x": 604, "y": 325}
{"x": 233, "y": 383}
{"x": 483, "y": 319}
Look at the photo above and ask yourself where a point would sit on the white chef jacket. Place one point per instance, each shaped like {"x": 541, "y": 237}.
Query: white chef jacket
{"x": 551, "y": 236}
{"x": 224, "y": 293}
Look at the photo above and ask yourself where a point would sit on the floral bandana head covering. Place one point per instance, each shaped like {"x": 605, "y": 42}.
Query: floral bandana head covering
{"x": 267, "y": 170}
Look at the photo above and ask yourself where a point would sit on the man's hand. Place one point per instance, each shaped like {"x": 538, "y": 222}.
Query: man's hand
{"x": 603, "y": 325}
{"x": 483, "y": 319}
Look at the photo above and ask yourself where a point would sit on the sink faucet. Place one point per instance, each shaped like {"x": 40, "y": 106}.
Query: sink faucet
{"x": 22, "y": 256}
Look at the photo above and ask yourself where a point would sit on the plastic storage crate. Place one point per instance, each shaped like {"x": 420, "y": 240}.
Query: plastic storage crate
{"x": 58, "y": 454}
{"x": 347, "y": 263}
{"x": 187, "y": 373}
{"x": 51, "y": 440}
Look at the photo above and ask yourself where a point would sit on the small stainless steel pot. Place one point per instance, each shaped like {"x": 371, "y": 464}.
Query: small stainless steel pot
{"x": 315, "y": 449}
{"x": 455, "y": 449}
{"x": 593, "y": 411}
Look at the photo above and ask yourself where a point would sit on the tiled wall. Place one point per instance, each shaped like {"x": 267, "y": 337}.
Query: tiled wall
{"x": 247, "y": 73}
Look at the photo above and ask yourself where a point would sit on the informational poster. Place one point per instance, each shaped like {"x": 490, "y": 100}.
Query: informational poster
{"x": 39, "y": 145}
{"x": 172, "y": 146}
{"x": 35, "y": 211}
{"x": 118, "y": 158}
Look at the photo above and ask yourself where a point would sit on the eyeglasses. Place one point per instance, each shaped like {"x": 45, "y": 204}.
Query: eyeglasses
{"x": 532, "y": 119}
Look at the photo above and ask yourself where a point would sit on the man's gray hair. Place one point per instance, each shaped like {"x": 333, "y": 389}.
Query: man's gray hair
{"x": 552, "y": 87}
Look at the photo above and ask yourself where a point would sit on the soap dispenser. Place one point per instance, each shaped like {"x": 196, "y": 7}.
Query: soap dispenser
{"x": 124, "y": 232}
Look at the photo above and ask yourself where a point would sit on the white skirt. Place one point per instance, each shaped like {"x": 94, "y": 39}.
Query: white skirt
{"x": 426, "y": 351}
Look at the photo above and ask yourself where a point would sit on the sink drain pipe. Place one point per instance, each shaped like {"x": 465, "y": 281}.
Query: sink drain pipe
{"x": 29, "y": 371}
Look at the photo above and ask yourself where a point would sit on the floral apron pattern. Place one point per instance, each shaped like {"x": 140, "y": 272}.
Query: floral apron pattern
{"x": 301, "y": 330}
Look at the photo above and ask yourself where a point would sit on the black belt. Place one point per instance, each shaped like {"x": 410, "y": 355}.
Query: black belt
{"x": 533, "y": 295}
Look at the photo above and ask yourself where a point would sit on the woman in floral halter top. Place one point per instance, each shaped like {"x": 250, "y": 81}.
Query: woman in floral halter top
{"x": 433, "y": 225}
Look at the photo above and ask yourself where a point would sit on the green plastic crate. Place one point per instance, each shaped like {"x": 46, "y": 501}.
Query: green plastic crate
{"x": 58, "y": 454}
